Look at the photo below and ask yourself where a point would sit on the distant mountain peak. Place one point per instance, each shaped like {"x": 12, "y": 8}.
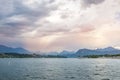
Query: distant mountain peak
{"x": 6, "y": 49}
{"x": 107, "y": 49}
{"x": 3, "y": 46}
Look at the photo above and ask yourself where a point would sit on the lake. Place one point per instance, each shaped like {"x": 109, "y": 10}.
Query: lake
{"x": 59, "y": 69}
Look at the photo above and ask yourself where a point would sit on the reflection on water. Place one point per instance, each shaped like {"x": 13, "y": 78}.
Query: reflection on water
{"x": 59, "y": 69}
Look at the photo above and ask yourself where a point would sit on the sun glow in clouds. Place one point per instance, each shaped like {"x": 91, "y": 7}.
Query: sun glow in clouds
{"x": 52, "y": 25}
{"x": 49, "y": 39}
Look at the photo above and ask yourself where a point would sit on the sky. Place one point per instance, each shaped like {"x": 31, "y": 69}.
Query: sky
{"x": 56, "y": 25}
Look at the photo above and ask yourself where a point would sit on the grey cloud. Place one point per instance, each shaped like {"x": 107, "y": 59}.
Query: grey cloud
{"x": 51, "y": 1}
{"x": 10, "y": 31}
{"x": 15, "y": 24}
{"x": 41, "y": 11}
{"x": 16, "y": 21}
{"x": 117, "y": 16}
{"x": 13, "y": 8}
{"x": 6, "y": 8}
{"x": 87, "y": 3}
{"x": 46, "y": 32}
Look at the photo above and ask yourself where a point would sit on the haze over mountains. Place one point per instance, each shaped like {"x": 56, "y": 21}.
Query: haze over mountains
{"x": 79, "y": 53}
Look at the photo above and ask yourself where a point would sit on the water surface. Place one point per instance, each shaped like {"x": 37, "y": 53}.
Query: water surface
{"x": 59, "y": 69}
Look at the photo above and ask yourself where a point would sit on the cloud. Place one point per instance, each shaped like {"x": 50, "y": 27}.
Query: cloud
{"x": 88, "y": 3}
{"x": 17, "y": 17}
{"x": 6, "y": 8}
{"x": 57, "y": 25}
{"x": 20, "y": 7}
{"x": 41, "y": 9}
{"x": 87, "y": 28}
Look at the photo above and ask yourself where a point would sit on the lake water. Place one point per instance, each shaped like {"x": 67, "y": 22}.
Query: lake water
{"x": 59, "y": 69}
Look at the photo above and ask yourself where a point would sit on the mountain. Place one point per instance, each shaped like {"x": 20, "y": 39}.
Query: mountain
{"x": 64, "y": 53}
{"x": 103, "y": 51}
{"x": 107, "y": 49}
{"x": 85, "y": 52}
{"x": 67, "y": 53}
{"x": 79, "y": 53}
{"x": 6, "y": 49}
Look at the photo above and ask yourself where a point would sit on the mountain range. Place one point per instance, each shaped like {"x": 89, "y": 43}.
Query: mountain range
{"x": 6, "y": 49}
{"x": 87, "y": 52}
{"x": 79, "y": 53}
{"x": 102, "y": 51}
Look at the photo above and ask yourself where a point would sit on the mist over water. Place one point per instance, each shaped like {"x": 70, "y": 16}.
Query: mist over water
{"x": 59, "y": 69}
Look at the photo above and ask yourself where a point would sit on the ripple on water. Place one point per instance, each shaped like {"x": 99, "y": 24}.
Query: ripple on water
{"x": 37, "y": 77}
{"x": 97, "y": 74}
{"x": 60, "y": 69}
{"x": 105, "y": 79}
{"x": 27, "y": 75}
